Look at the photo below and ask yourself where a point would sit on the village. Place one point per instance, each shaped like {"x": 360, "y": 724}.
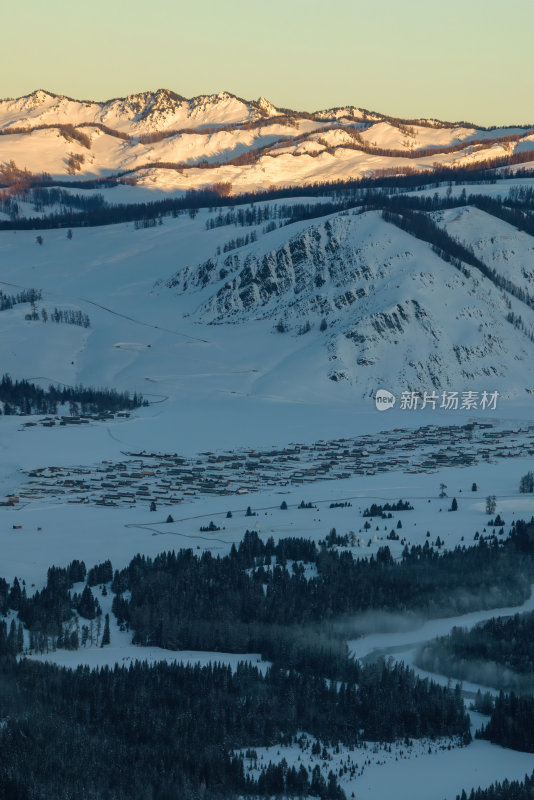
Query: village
{"x": 153, "y": 479}
{"x": 76, "y": 419}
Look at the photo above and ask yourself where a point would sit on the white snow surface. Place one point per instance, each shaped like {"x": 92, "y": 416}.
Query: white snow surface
{"x": 398, "y": 316}
{"x": 219, "y": 378}
{"x": 138, "y": 132}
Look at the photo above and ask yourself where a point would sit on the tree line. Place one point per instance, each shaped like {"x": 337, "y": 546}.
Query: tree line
{"x": 94, "y": 212}
{"x": 510, "y": 724}
{"x": 507, "y": 790}
{"x": 252, "y": 600}
{"x": 163, "y": 731}
{"x": 171, "y": 729}
{"x": 452, "y": 251}
{"x": 60, "y": 315}
{"x": 174, "y": 729}
{"x": 7, "y": 301}
{"x": 376, "y": 510}
{"x": 28, "y": 398}
{"x": 184, "y": 601}
{"x": 497, "y": 653}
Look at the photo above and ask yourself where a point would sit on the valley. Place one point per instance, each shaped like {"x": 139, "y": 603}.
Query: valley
{"x": 202, "y": 503}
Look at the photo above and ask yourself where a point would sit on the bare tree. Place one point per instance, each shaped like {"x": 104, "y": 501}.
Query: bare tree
{"x": 491, "y": 504}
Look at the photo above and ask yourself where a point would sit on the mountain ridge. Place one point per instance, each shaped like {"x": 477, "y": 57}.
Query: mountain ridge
{"x": 261, "y": 104}
{"x": 382, "y": 306}
{"x": 161, "y": 140}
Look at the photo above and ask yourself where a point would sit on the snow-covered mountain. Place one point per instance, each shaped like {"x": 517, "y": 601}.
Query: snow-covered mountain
{"x": 146, "y": 112}
{"x": 324, "y": 310}
{"x": 258, "y": 331}
{"x": 331, "y": 307}
{"x": 383, "y": 305}
{"x": 163, "y": 140}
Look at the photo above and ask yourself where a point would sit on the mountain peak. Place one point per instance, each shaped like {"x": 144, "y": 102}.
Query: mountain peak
{"x": 265, "y": 106}
{"x": 39, "y": 97}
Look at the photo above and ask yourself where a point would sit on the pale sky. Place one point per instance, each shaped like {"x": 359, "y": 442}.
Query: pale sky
{"x": 451, "y": 59}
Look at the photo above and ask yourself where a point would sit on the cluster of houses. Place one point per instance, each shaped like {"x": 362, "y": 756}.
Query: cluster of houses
{"x": 166, "y": 479}
{"x": 75, "y": 419}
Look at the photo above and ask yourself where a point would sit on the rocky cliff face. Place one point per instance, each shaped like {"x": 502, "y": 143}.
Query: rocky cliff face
{"x": 383, "y": 304}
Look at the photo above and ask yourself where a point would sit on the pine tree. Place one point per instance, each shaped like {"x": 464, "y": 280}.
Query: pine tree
{"x": 85, "y": 635}
{"x": 526, "y": 485}
{"x": 12, "y": 639}
{"x": 105, "y": 636}
{"x": 87, "y": 605}
{"x": 20, "y": 638}
{"x": 15, "y": 595}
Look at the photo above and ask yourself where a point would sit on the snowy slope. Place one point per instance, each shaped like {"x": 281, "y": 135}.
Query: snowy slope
{"x": 362, "y": 304}
{"x": 158, "y": 137}
{"x": 136, "y": 114}
{"x": 499, "y": 245}
{"x": 395, "y": 313}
